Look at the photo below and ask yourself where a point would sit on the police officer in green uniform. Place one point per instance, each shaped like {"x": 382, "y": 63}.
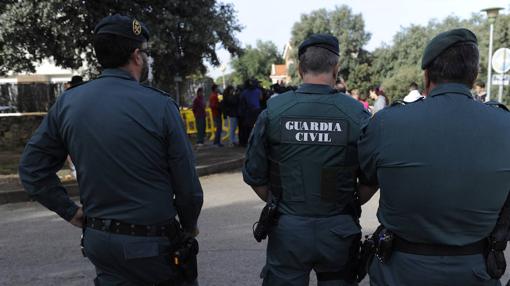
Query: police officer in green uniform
{"x": 443, "y": 170}
{"x": 136, "y": 170}
{"x": 302, "y": 156}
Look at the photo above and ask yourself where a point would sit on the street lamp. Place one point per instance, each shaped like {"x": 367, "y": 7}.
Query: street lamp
{"x": 492, "y": 14}
{"x": 223, "y": 67}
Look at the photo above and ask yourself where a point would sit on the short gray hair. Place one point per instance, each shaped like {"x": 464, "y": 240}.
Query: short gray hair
{"x": 317, "y": 60}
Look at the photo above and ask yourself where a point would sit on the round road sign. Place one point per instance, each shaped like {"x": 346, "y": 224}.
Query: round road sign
{"x": 501, "y": 60}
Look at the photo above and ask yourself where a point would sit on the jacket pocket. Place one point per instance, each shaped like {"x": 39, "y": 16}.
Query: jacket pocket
{"x": 292, "y": 183}
{"x": 337, "y": 184}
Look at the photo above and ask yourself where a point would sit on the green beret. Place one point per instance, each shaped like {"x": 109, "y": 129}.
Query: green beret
{"x": 324, "y": 41}
{"x": 122, "y": 26}
{"x": 443, "y": 41}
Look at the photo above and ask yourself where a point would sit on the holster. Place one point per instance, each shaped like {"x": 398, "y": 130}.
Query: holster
{"x": 497, "y": 240}
{"x": 268, "y": 219}
{"x": 367, "y": 253}
{"x": 270, "y": 215}
{"x": 184, "y": 258}
{"x": 384, "y": 245}
{"x": 495, "y": 258}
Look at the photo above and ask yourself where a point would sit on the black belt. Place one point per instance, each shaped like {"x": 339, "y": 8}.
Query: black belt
{"x": 114, "y": 226}
{"x": 402, "y": 245}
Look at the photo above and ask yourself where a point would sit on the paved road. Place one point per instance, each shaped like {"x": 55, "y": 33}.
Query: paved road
{"x": 38, "y": 248}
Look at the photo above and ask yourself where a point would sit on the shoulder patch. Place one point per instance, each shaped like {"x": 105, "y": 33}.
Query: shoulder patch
{"x": 157, "y": 89}
{"x": 497, "y": 104}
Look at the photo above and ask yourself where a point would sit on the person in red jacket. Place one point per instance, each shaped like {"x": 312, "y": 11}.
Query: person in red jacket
{"x": 214, "y": 104}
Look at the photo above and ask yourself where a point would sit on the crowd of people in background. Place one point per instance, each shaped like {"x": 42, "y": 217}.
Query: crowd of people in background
{"x": 241, "y": 105}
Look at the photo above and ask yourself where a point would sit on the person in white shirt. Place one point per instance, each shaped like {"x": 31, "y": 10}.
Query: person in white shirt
{"x": 377, "y": 95}
{"x": 413, "y": 94}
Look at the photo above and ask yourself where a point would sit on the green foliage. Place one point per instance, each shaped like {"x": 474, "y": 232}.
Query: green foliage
{"x": 349, "y": 28}
{"x": 393, "y": 66}
{"x": 396, "y": 66}
{"x": 183, "y": 33}
{"x": 396, "y": 86}
{"x": 255, "y": 62}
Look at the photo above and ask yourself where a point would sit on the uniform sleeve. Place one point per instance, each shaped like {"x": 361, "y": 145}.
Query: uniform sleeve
{"x": 255, "y": 171}
{"x": 43, "y": 157}
{"x": 368, "y": 151}
{"x": 183, "y": 175}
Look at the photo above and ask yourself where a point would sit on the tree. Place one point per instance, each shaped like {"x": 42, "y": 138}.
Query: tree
{"x": 396, "y": 66}
{"x": 349, "y": 28}
{"x": 255, "y": 62}
{"x": 183, "y": 33}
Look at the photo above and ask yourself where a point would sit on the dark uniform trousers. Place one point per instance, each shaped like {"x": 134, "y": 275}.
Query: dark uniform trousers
{"x": 300, "y": 244}
{"x": 420, "y": 270}
{"x": 129, "y": 260}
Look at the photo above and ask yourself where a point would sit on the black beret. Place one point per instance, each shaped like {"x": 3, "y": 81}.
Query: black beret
{"x": 324, "y": 41}
{"x": 443, "y": 41}
{"x": 122, "y": 26}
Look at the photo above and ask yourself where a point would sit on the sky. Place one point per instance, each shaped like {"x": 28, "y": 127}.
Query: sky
{"x": 272, "y": 20}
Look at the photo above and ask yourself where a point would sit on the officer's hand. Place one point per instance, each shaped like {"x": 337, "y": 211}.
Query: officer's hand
{"x": 77, "y": 220}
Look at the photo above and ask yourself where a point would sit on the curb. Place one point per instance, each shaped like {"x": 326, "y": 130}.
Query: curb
{"x": 19, "y": 195}
{"x": 225, "y": 166}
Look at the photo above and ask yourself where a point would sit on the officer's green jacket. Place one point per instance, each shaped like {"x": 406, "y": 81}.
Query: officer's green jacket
{"x": 443, "y": 166}
{"x": 132, "y": 155}
{"x": 305, "y": 144}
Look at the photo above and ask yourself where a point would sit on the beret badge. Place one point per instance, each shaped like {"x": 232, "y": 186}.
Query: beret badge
{"x": 137, "y": 28}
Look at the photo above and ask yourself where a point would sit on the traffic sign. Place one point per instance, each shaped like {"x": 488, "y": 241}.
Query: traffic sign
{"x": 499, "y": 79}
{"x": 501, "y": 60}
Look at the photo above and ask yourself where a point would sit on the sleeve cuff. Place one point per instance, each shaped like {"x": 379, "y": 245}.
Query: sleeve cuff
{"x": 69, "y": 213}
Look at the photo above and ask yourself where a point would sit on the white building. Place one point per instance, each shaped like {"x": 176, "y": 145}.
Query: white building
{"x": 45, "y": 72}
{"x": 280, "y": 73}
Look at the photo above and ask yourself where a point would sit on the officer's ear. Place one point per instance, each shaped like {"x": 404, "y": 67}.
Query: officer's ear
{"x": 137, "y": 57}
{"x": 335, "y": 71}
{"x": 300, "y": 71}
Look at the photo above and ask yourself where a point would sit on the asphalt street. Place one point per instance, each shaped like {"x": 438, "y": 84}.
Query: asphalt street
{"x": 39, "y": 248}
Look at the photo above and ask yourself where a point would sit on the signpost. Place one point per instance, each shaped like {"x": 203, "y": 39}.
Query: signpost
{"x": 498, "y": 79}
{"x": 501, "y": 65}
{"x": 177, "y": 80}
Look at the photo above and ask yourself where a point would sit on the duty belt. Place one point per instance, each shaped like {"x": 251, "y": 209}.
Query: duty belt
{"x": 402, "y": 245}
{"x": 114, "y": 226}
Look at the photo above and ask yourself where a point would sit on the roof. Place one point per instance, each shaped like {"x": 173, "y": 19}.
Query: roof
{"x": 279, "y": 70}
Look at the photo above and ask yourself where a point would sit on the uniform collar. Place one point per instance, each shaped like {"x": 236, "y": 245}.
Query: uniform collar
{"x": 117, "y": 73}
{"x": 315, "y": 89}
{"x": 448, "y": 88}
